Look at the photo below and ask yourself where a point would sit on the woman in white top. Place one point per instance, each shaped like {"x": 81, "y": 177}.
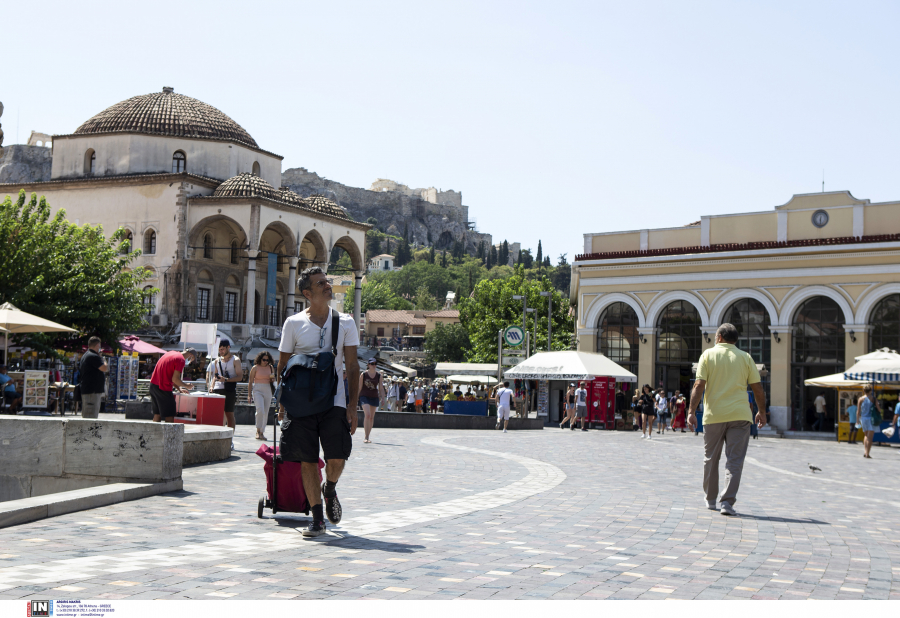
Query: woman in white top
{"x": 411, "y": 398}
{"x": 662, "y": 407}
{"x": 262, "y": 377}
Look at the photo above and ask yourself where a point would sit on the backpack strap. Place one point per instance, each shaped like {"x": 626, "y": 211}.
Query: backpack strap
{"x": 335, "y": 325}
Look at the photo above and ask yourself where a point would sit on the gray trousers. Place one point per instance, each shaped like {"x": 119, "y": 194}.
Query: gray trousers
{"x": 735, "y": 437}
{"x": 90, "y": 405}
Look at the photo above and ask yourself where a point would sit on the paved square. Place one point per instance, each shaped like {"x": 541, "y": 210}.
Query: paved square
{"x": 523, "y": 515}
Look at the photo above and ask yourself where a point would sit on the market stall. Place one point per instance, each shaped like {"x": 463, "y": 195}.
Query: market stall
{"x": 552, "y": 372}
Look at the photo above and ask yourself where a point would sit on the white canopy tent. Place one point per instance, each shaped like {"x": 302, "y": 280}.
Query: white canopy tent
{"x": 877, "y": 366}
{"x": 461, "y": 379}
{"x": 568, "y": 365}
{"x": 465, "y": 369}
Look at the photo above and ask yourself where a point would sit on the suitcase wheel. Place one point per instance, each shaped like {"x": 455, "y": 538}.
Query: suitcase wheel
{"x": 259, "y": 509}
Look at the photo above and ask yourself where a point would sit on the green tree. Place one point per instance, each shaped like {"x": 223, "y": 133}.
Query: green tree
{"x": 373, "y": 243}
{"x": 539, "y": 257}
{"x": 562, "y": 275}
{"x": 443, "y": 259}
{"x": 431, "y": 255}
{"x": 492, "y": 308}
{"x": 376, "y": 294}
{"x": 447, "y": 343}
{"x": 425, "y": 300}
{"x": 492, "y": 257}
{"x": 69, "y": 274}
{"x": 504, "y": 254}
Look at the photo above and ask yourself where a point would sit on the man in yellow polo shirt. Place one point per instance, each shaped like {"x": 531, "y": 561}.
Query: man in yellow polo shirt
{"x": 723, "y": 374}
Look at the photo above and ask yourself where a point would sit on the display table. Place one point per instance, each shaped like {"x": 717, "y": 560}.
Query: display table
{"x": 471, "y": 408}
{"x": 200, "y": 408}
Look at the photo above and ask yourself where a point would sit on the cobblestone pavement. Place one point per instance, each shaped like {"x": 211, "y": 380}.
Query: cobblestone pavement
{"x": 478, "y": 515}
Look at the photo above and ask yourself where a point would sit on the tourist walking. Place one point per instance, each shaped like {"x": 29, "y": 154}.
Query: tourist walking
{"x": 370, "y": 394}
{"x": 435, "y": 397}
{"x": 678, "y": 419}
{"x": 401, "y": 402}
{"x": 262, "y": 380}
{"x": 854, "y": 424}
{"x": 166, "y": 377}
{"x": 662, "y": 410}
{"x": 228, "y": 372}
{"x": 648, "y": 412}
{"x": 313, "y": 332}
{"x": 393, "y": 394}
{"x": 504, "y": 403}
{"x": 723, "y": 374}
{"x": 420, "y": 396}
{"x": 867, "y": 414}
{"x": 93, "y": 370}
{"x": 411, "y": 398}
{"x": 819, "y": 403}
{"x": 581, "y": 405}
{"x": 570, "y": 407}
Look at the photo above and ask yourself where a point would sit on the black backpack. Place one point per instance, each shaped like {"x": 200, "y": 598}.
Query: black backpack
{"x": 309, "y": 381}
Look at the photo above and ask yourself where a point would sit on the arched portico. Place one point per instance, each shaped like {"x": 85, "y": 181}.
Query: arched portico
{"x": 596, "y": 307}
{"x": 660, "y": 302}
{"x": 724, "y": 302}
{"x": 793, "y": 302}
{"x": 356, "y": 256}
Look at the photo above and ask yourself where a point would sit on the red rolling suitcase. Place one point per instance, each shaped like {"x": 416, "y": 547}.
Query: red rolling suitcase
{"x": 290, "y": 496}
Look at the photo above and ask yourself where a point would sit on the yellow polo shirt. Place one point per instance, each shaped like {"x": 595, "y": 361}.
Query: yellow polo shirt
{"x": 727, "y": 371}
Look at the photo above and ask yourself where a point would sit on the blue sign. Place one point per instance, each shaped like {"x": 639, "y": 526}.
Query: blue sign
{"x": 270, "y": 282}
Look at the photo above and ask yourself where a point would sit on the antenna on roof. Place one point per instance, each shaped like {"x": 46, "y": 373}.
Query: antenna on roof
{"x": 823, "y": 180}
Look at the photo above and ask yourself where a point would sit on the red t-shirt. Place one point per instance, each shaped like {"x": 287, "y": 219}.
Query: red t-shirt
{"x": 162, "y": 374}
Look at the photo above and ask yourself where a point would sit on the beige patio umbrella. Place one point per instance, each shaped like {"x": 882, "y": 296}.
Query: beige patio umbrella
{"x": 13, "y": 320}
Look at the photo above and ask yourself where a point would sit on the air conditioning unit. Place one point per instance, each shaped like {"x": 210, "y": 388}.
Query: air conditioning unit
{"x": 159, "y": 319}
{"x": 239, "y": 331}
{"x": 271, "y": 333}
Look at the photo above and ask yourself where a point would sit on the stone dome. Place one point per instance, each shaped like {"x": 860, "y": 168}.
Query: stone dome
{"x": 167, "y": 113}
{"x": 322, "y": 204}
{"x": 289, "y": 197}
{"x": 246, "y": 185}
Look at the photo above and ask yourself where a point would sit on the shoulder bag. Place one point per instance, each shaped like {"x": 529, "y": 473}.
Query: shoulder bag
{"x": 309, "y": 381}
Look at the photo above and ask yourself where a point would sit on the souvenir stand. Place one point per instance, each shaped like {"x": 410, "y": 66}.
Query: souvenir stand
{"x": 553, "y": 372}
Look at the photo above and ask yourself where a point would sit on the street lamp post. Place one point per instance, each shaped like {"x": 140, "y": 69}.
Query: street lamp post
{"x": 549, "y": 296}
{"x": 524, "y": 300}
{"x": 534, "y": 311}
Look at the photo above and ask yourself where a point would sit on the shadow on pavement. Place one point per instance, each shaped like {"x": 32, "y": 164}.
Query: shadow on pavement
{"x": 785, "y": 520}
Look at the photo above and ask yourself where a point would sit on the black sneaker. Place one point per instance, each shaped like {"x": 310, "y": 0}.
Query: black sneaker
{"x": 315, "y": 528}
{"x": 332, "y": 507}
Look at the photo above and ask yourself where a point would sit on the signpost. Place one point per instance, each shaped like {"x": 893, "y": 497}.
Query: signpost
{"x": 514, "y": 336}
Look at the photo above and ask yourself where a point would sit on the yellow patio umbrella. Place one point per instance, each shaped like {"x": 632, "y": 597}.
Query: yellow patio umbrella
{"x": 13, "y": 320}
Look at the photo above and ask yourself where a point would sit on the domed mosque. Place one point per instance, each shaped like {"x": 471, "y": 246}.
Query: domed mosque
{"x": 196, "y": 193}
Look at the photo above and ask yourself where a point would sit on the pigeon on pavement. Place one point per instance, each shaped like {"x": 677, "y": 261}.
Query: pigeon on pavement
{"x": 813, "y": 469}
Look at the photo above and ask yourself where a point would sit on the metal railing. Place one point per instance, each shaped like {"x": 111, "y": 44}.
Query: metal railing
{"x": 262, "y": 316}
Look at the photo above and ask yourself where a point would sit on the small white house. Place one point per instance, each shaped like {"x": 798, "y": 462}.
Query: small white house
{"x": 381, "y": 262}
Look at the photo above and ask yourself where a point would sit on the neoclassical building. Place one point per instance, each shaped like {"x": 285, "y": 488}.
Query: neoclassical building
{"x": 810, "y": 285}
{"x": 196, "y": 193}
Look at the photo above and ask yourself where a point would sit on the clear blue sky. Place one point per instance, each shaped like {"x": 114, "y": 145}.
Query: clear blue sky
{"x": 553, "y": 119}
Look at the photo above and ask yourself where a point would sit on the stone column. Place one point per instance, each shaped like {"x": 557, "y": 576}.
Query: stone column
{"x": 780, "y": 378}
{"x": 647, "y": 357}
{"x": 856, "y": 342}
{"x": 251, "y": 286}
{"x": 357, "y": 297}
{"x": 709, "y": 337}
{"x": 292, "y": 285}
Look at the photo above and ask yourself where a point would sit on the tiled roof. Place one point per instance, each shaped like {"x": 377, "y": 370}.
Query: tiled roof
{"x": 322, "y": 204}
{"x": 289, "y": 197}
{"x": 444, "y": 313}
{"x": 167, "y": 113}
{"x": 390, "y": 316}
{"x": 245, "y": 185}
{"x": 417, "y": 322}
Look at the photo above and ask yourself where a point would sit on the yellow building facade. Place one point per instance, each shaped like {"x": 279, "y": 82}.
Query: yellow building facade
{"x": 810, "y": 284}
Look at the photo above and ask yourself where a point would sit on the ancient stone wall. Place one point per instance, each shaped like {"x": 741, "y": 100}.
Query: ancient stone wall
{"x": 22, "y": 164}
{"x": 394, "y": 210}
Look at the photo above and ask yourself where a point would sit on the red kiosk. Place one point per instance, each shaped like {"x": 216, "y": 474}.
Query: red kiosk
{"x": 601, "y": 409}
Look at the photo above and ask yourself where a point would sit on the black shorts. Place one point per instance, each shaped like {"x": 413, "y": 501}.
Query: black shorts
{"x": 230, "y": 398}
{"x": 301, "y": 436}
{"x": 162, "y": 403}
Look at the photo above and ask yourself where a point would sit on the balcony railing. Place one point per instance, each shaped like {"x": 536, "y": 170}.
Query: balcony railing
{"x": 263, "y": 316}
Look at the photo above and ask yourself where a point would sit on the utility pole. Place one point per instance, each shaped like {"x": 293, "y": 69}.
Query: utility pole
{"x": 524, "y": 300}
{"x": 532, "y": 310}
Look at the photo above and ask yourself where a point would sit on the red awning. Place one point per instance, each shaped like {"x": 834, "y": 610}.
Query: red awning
{"x": 135, "y": 344}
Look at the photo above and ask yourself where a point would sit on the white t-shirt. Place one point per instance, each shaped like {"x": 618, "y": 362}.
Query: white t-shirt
{"x": 820, "y": 404}
{"x": 300, "y": 336}
{"x": 503, "y": 397}
{"x": 226, "y": 368}
{"x": 581, "y": 397}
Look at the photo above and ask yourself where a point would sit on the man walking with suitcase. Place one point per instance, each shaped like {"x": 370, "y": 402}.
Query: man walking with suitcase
{"x": 312, "y": 332}
{"x": 723, "y": 374}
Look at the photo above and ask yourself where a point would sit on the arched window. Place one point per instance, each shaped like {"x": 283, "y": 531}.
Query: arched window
{"x": 818, "y": 350}
{"x": 90, "y": 161}
{"x": 885, "y": 323}
{"x": 179, "y": 162}
{"x": 235, "y": 252}
{"x": 150, "y": 242}
{"x": 207, "y": 246}
{"x": 255, "y": 171}
{"x": 752, "y": 322}
{"x": 617, "y": 336}
{"x": 126, "y": 247}
{"x": 678, "y": 346}
{"x": 149, "y": 300}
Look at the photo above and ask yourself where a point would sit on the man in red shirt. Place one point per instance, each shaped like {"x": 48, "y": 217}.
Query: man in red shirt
{"x": 166, "y": 376}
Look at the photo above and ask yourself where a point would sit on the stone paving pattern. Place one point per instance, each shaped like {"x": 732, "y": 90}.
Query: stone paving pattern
{"x": 627, "y": 521}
